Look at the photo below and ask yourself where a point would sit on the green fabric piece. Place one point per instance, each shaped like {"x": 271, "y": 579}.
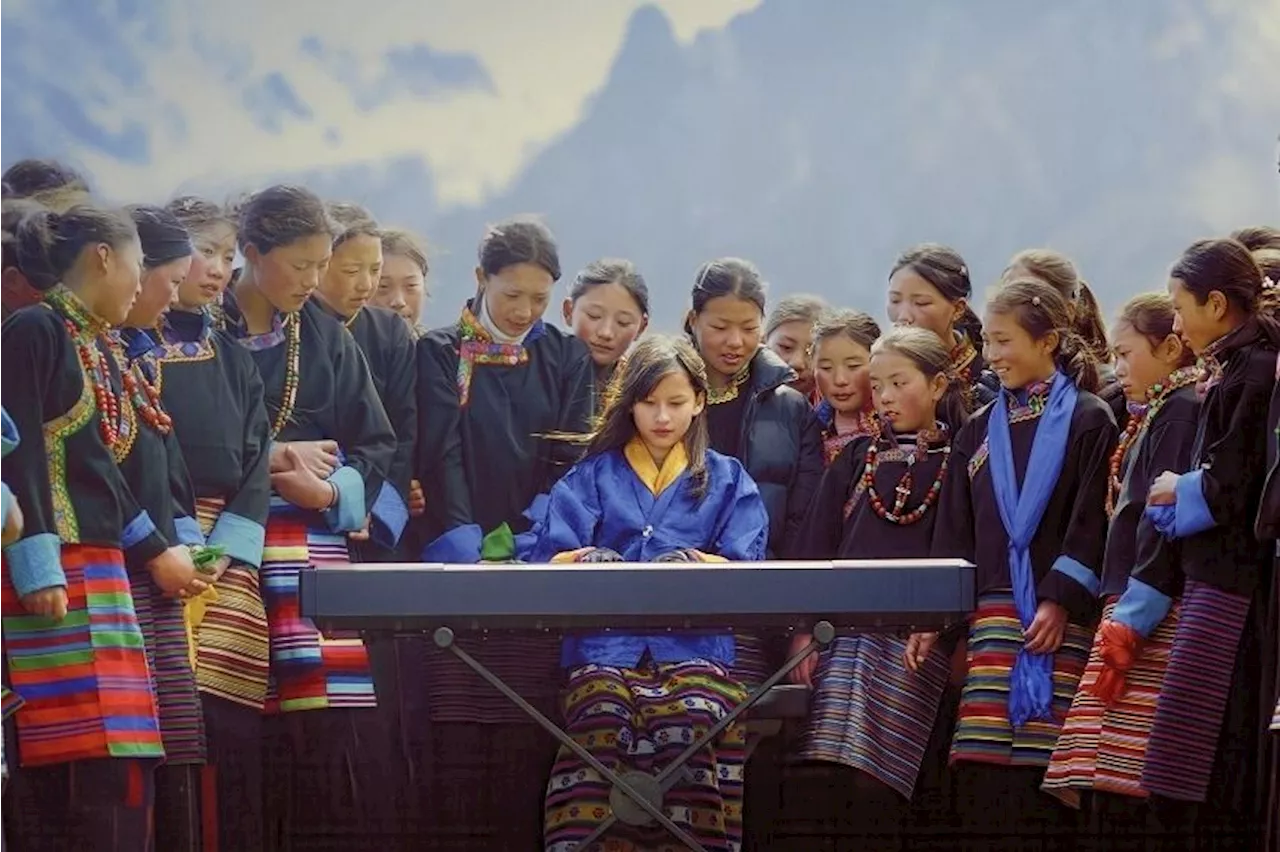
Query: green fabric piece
{"x": 499, "y": 545}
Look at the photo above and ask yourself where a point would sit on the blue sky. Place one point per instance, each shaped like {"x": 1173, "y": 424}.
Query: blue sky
{"x": 150, "y": 97}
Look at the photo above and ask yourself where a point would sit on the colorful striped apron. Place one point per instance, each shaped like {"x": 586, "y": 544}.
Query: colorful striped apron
{"x": 1105, "y": 748}
{"x": 309, "y": 671}
{"x": 870, "y": 713}
{"x": 642, "y": 719}
{"x": 232, "y": 650}
{"x": 1193, "y": 699}
{"x": 84, "y": 681}
{"x": 983, "y": 732}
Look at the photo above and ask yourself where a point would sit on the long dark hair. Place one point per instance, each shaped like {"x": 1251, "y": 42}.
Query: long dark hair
{"x": 651, "y": 361}
{"x": 1039, "y": 309}
{"x": 1225, "y": 265}
{"x": 728, "y": 276}
{"x": 932, "y": 357}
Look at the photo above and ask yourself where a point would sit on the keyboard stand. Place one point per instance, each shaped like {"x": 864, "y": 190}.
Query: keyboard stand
{"x": 637, "y": 796}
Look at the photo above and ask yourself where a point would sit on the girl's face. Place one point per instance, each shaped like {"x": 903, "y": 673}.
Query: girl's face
{"x": 1013, "y": 354}
{"x": 288, "y": 275}
{"x": 790, "y": 342}
{"x": 353, "y": 273}
{"x": 516, "y": 297}
{"x": 727, "y": 332}
{"x": 904, "y": 396}
{"x": 663, "y": 417}
{"x": 402, "y": 287}
{"x": 608, "y": 319}
{"x": 1199, "y": 325}
{"x": 915, "y": 302}
{"x": 842, "y": 375}
{"x": 211, "y": 266}
{"x": 114, "y": 278}
{"x": 1139, "y": 365}
{"x": 158, "y": 290}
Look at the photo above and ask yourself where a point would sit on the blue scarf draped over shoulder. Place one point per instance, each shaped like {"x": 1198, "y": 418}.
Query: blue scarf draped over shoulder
{"x": 1021, "y": 510}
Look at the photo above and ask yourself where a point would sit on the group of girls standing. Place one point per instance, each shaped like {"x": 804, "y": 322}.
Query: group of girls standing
{"x": 187, "y": 438}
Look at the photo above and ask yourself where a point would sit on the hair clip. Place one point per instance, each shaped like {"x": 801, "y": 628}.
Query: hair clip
{"x": 1268, "y": 283}
{"x": 1035, "y": 300}
{"x": 964, "y": 270}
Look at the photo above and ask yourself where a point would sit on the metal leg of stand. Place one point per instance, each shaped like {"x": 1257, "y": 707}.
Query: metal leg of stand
{"x": 444, "y": 639}
{"x": 823, "y": 634}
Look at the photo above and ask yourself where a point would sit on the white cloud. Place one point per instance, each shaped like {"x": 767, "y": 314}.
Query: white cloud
{"x": 544, "y": 59}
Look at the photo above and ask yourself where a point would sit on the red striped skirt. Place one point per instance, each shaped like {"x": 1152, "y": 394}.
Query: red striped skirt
{"x": 165, "y": 634}
{"x": 642, "y": 719}
{"x": 870, "y": 713}
{"x": 232, "y": 648}
{"x": 1193, "y": 698}
{"x": 84, "y": 681}
{"x": 309, "y": 671}
{"x": 1105, "y": 748}
{"x": 983, "y": 731}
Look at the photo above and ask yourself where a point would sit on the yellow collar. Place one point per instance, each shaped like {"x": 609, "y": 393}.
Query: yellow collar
{"x": 676, "y": 463}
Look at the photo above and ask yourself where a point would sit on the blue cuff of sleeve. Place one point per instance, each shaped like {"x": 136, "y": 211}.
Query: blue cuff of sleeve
{"x": 1191, "y": 512}
{"x": 8, "y": 433}
{"x": 136, "y": 530}
{"x": 1078, "y": 572}
{"x": 35, "y": 563}
{"x": 6, "y": 499}
{"x": 390, "y": 515}
{"x": 459, "y": 546}
{"x": 241, "y": 538}
{"x": 1142, "y": 607}
{"x": 347, "y": 515}
{"x": 188, "y": 530}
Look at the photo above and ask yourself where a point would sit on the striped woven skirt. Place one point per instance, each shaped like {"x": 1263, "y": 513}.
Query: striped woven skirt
{"x": 983, "y": 731}
{"x": 870, "y": 713}
{"x": 10, "y": 701}
{"x": 309, "y": 671}
{"x": 1190, "y": 707}
{"x": 84, "y": 680}
{"x": 642, "y": 719}
{"x": 164, "y": 633}
{"x": 1104, "y": 748}
{"x": 232, "y": 656}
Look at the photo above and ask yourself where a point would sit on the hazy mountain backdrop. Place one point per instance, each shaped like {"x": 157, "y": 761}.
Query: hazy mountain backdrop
{"x": 816, "y": 137}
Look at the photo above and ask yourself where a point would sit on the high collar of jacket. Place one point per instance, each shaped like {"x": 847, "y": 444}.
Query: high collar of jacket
{"x": 768, "y": 371}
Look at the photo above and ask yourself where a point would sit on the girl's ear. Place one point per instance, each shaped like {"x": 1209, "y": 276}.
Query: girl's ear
{"x": 480, "y": 281}
{"x": 644, "y": 323}
{"x": 251, "y": 254}
{"x": 1218, "y": 303}
{"x": 938, "y": 386}
{"x": 958, "y": 307}
{"x": 699, "y": 404}
{"x": 1050, "y": 342}
{"x": 1170, "y": 349}
{"x": 567, "y": 310}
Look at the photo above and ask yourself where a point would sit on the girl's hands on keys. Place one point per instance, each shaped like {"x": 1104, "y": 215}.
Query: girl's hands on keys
{"x": 417, "y": 500}
{"x": 319, "y": 457}
{"x": 918, "y": 648}
{"x": 175, "y": 573}
{"x": 1047, "y": 630}
{"x": 803, "y": 673}
{"x": 50, "y": 602}
{"x": 1164, "y": 490}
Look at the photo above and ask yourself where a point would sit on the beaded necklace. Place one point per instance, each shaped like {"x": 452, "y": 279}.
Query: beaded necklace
{"x": 142, "y": 394}
{"x": 902, "y": 491}
{"x": 289, "y": 398}
{"x": 84, "y": 328}
{"x": 1141, "y": 416}
{"x": 963, "y": 355}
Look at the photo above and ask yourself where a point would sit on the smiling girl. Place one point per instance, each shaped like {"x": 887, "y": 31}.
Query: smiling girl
{"x": 607, "y": 308}
{"x": 331, "y": 743}
{"x": 211, "y": 389}
{"x": 493, "y": 388}
{"x": 1203, "y": 746}
{"x": 876, "y": 698}
{"x": 1104, "y": 738}
{"x": 1026, "y": 507}
{"x": 649, "y": 489}
{"x": 842, "y": 344}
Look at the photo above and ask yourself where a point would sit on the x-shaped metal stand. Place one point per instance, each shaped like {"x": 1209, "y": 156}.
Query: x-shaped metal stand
{"x": 637, "y": 796}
